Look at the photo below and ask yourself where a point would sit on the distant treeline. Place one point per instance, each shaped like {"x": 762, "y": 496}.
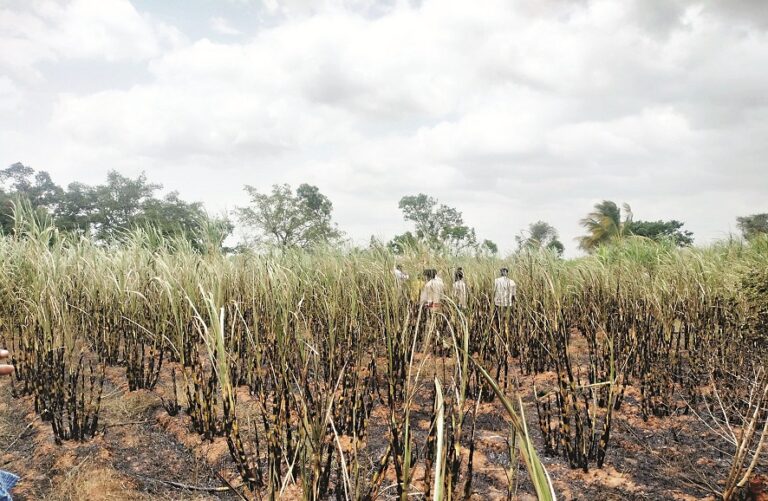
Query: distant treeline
{"x": 303, "y": 218}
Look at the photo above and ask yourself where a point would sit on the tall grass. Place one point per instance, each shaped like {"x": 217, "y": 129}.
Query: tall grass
{"x": 322, "y": 338}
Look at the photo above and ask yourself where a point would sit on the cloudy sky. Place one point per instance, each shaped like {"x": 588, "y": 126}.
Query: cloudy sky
{"x": 511, "y": 111}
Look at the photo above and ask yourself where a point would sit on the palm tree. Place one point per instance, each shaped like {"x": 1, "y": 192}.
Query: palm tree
{"x": 540, "y": 235}
{"x": 605, "y": 224}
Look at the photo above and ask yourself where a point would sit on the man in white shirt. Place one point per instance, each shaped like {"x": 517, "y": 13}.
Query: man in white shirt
{"x": 504, "y": 289}
{"x": 431, "y": 299}
{"x": 504, "y": 292}
{"x": 431, "y": 295}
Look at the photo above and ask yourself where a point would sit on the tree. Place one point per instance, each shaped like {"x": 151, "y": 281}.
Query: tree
{"x": 754, "y": 225}
{"x": 43, "y": 192}
{"x": 438, "y": 226}
{"x": 605, "y": 224}
{"x": 106, "y": 211}
{"x": 172, "y": 217}
{"x": 120, "y": 204}
{"x": 489, "y": 247}
{"x": 400, "y": 243}
{"x": 540, "y": 235}
{"x": 78, "y": 205}
{"x": 662, "y": 230}
{"x": 486, "y": 248}
{"x": 17, "y": 178}
{"x": 20, "y": 183}
{"x": 288, "y": 219}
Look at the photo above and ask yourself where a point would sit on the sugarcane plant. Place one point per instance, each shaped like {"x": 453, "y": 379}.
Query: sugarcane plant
{"x": 328, "y": 379}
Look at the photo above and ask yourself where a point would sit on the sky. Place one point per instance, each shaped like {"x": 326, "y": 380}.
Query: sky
{"x": 512, "y": 111}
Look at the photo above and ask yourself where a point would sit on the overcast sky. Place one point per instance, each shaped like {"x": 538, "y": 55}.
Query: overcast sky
{"x": 511, "y": 111}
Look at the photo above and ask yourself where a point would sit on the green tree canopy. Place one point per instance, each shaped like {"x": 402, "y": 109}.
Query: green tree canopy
{"x": 604, "y": 224}
{"x": 662, "y": 230}
{"x": 540, "y": 235}
{"x": 400, "y": 243}
{"x": 751, "y": 226}
{"x": 21, "y": 183}
{"x": 106, "y": 211}
{"x": 121, "y": 204}
{"x": 287, "y": 219}
{"x": 438, "y": 226}
{"x": 489, "y": 247}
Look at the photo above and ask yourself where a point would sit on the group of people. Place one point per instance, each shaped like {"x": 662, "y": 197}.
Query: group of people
{"x": 433, "y": 291}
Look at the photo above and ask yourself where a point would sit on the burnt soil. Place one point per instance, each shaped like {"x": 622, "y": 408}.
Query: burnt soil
{"x": 143, "y": 453}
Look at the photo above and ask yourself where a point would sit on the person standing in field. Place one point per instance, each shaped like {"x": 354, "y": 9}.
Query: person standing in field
{"x": 432, "y": 293}
{"x": 504, "y": 293}
{"x": 431, "y": 299}
{"x": 504, "y": 290}
{"x": 460, "y": 289}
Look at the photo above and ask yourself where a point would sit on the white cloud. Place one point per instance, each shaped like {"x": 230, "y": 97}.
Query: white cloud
{"x": 302, "y": 8}
{"x": 112, "y": 30}
{"x": 10, "y": 95}
{"x": 513, "y": 112}
{"x": 223, "y": 27}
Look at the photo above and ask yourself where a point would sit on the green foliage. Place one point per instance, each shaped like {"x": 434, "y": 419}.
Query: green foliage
{"x": 20, "y": 183}
{"x": 286, "y": 219}
{"x": 400, "y": 244}
{"x": 107, "y": 211}
{"x": 489, "y": 248}
{"x": 754, "y": 225}
{"x": 662, "y": 230}
{"x": 608, "y": 223}
{"x": 437, "y": 225}
{"x": 539, "y": 236}
{"x": 120, "y": 204}
{"x": 605, "y": 224}
{"x": 76, "y": 208}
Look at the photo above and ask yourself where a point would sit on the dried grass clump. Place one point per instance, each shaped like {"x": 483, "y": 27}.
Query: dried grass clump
{"x": 88, "y": 482}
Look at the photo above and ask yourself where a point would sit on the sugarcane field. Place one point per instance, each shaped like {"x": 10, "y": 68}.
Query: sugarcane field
{"x": 383, "y": 250}
{"x": 152, "y": 371}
